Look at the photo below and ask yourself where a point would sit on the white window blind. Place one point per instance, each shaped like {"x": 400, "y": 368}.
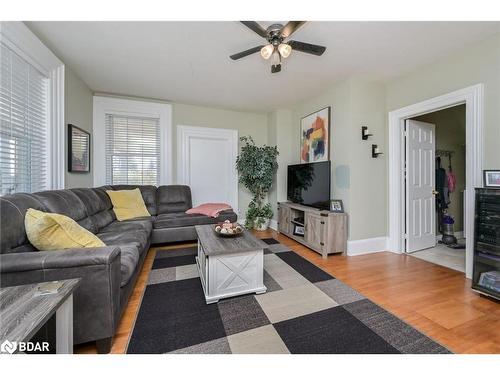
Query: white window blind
{"x": 132, "y": 150}
{"x": 23, "y": 126}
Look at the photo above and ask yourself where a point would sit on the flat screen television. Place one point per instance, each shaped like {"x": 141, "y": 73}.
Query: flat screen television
{"x": 309, "y": 184}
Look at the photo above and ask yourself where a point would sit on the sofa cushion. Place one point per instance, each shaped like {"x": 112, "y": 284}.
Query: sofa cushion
{"x": 129, "y": 260}
{"x": 129, "y": 225}
{"x": 173, "y": 198}
{"x": 13, "y": 208}
{"x": 136, "y": 238}
{"x": 66, "y": 202}
{"x": 148, "y": 193}
{"x": 98, "y": 206}
{"x": 181, "y": 219}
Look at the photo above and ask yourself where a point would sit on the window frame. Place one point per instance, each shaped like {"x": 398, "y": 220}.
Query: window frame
{"x": 20, "y": 39}
{"x": 130, "y": 107}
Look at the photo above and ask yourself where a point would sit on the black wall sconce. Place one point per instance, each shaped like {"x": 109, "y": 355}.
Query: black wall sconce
{"x": 365, "y": 133}
{"x": 376, "y": 152}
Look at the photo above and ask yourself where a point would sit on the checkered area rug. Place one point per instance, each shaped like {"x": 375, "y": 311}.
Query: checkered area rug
{"x": 305, "y": 310}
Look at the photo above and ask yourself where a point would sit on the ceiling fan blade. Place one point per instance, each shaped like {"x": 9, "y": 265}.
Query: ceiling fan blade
{"x": 255, "y": 27}
{"x": 313, "y": 49}
{"x": 290, "y": 28}
{"x": 239, "y": 55}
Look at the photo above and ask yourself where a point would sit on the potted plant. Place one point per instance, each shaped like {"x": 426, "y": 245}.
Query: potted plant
{"x": 256, "y": 167}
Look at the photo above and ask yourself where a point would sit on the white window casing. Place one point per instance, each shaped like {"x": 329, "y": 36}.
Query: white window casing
{"x": 132, "y": 142}
{"x": 31, "y": 113}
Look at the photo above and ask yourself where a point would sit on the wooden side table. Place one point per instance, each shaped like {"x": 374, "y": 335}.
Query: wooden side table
{"x": 23, "y": 311}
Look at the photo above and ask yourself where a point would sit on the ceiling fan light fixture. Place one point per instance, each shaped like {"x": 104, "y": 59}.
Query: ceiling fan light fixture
{"x": 267, "y": 51}
{"x": 276, "y": 58}
{"x": 285, "y": 50}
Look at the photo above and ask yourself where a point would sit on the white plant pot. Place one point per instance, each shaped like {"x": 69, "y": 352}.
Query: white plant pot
{"x": 262, "y": 226}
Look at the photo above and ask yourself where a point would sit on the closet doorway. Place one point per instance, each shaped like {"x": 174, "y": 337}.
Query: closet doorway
{"x": 473, "y": 98}
{"x": 435, "y": 185}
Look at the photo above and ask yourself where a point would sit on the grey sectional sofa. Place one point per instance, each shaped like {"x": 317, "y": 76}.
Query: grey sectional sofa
{"x": 108, "y": 273}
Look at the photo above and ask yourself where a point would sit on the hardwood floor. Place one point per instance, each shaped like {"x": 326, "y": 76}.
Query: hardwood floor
{"x": 437, "y": 301}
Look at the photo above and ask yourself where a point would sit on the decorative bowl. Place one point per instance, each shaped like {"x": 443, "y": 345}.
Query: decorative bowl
{"x": 228, "y": 229}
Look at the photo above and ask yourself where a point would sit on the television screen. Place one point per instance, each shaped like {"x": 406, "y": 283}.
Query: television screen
{"x": 309, "y": 184}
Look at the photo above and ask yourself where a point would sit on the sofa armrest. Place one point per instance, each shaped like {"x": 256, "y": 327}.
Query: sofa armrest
{"x": 40, "y": 260}
{"x": 96, "y": 301}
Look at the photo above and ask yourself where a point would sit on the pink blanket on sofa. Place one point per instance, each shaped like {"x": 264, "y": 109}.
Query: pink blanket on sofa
{"x": 209, "y": 209}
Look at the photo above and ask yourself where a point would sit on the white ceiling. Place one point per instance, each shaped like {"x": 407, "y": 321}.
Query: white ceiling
{"x": 188, "y": 62}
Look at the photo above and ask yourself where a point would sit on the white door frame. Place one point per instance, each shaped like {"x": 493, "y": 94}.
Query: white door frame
{"x": 472, "y": 97}
{"x": 185, "y": 133}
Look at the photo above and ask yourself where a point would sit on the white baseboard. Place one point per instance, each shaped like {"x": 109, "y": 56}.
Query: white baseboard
{"x": 273, "y": 224}
{"x": 367, "y": 246}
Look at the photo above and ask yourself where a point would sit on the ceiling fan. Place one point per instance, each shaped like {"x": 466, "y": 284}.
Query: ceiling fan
{"x": 277, "y": 48}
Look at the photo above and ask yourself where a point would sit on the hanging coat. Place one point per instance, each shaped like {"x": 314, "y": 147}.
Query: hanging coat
{"x": 452, "y": 180}
{"x": 441, "y": 183}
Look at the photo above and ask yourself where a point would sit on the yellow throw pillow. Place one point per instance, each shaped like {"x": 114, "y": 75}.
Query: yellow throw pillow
{"x": 128, "y": 204}
{"x": 47, "y": 231}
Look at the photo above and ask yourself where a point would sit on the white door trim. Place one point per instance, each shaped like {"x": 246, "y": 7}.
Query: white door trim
{"x": 185, "y": 133}
{"x": 111, "y": 105}
{"x": 473, "y": 98}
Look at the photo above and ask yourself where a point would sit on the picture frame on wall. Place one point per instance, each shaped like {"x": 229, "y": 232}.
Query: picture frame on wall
{"x": 336, "y": 205}
{"x": 492, "y": 178}
{"x": 78, "y": 150}
{"x": 315, "y": 136}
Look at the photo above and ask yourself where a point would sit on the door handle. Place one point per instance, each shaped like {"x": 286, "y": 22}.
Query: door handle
{"x": 434, "y": 192}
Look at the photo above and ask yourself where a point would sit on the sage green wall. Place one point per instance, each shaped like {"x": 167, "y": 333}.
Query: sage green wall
{"x": 247, "y": 123}
{"x": 338, "y": 98}
{"x": 358, "y": 179}
{"x": 368, "y": 192}
{"x": 478, "y": 63}
{"x": 77, "y": 111}
{"x": 450, "y": 135}
{"x": 272, "y": 123}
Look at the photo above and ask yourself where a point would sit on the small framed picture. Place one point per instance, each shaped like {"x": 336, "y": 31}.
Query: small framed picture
{"x": 78, "y": 150}
{"x": 336, "y": 205}
{"x": 492, "y": 179}
{"x": 298, "y": 230}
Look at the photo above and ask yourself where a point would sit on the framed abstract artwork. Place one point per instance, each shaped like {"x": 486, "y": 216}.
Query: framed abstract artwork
{"x": 315, "y": 136}
{"x": 78, "y": 150}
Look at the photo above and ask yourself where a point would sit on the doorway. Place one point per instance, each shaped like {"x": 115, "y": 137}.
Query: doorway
{"x": 435, "y": 187}
{"x": 472, "y": 97}
{"x": 205, "y": 161}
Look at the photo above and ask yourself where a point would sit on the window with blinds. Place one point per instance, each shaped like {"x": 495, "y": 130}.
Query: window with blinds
{"x": 23, "y": 126}
{"x": 132, "y": 150}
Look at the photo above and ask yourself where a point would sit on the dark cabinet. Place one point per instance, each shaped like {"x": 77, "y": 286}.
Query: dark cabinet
{"x": 486, "y": 269}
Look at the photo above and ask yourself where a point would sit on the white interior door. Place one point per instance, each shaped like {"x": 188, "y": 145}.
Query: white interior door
{"x": 420, "y": 186}
{"x": 206, "y": 161}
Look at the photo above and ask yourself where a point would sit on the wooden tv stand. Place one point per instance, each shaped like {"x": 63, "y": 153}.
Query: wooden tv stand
{"x": 324, "y": 231}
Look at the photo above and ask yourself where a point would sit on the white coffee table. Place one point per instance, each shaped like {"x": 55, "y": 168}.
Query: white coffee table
{"x": 229, "y": 266}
